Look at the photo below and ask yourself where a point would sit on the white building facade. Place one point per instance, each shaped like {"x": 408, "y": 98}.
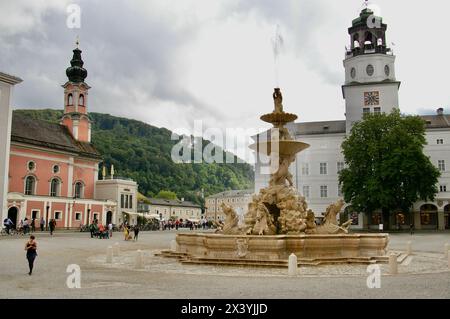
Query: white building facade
{"x": 370, "y": 87}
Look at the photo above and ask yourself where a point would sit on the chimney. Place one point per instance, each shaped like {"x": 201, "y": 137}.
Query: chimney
{"x": 440, "y": 111}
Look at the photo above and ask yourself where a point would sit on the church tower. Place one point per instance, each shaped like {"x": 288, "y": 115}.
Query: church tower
{"x": 370, "y": 83}
{"x": 76, "y": 99}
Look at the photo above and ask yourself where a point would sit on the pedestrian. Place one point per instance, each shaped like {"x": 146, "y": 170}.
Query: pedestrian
{"x": 25, "y": 226}
{"x": 31, "y": 248}
{"x": 52, "y": 226}
{"x": 126, "y": 232}
{"x": 411, "y": 228}
{"x": 42, "y": 223}
{"x": 92, "y": 229}
{"x": 33, "y": 225}
{"x": 177, "y": 224}
{"x": 110, "y": 229}
{"x": 8, "y": 224}
{"x": 136, "y": 232}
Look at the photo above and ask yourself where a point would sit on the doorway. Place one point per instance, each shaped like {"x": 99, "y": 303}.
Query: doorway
{"x": 108, "y": 217}
{"x": 12, "y": 214}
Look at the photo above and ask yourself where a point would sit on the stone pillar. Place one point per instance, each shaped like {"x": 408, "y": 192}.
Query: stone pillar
{"x": 409, "y": 248}
{"x": 109, "y": 255}
{"x": 393, "y": 265}
{"x": 116, "y": 250}
{"x": 292, "y": 265}
{"x": 139, "y": 264}
{"x": 7, "y": 83}
{"x": 417, "y": 223}
{"x": 441, "y": 220}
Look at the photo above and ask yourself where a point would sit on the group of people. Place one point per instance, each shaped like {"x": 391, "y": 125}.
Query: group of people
{"x": 179, "y": 223}
{"x": 100, "y": 231}
{"x": 26, "y": 226}
{"x": 127, "y": 229}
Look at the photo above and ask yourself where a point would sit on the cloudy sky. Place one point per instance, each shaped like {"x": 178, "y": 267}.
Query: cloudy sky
{"x": 170, "y": 62}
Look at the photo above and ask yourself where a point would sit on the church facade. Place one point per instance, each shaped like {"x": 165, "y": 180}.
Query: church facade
{"x": 53, "y": 168}
{"x": 370, "y": 87}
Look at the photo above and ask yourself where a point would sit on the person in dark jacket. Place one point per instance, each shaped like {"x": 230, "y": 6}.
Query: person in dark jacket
{"x": 31, "y": 248}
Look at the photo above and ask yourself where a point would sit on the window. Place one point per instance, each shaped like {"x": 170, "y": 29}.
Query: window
{"x": 81, "y": 100}
{"x": 366, "y": 110}
{"x": 77, "y": 216}
{"x": 305, "y": 169}
{"x": 441, "y": 165}
{"x": 323, "y": 169}
{"x": 78, "y": 190}
{"x": 306, "y": 191}
{"x": 440, "y": 142}
{"x": 323, "y": 191}
{"x": 31, "y": 166}
{"x": 55, "y": 169}
{"x": 122, "y": 201}
{"x": 30, "y": 185}
{"x": 126, "y": 201}
{"x": 131, "y": 201}
{"x": 443, "y": 188}
{"x": 340, "y": 167}
{"x": 70, "y": 99}
{"x": 377, "y": 110}
{"x": 95, "y": 216}
{"x": 55, "y": 187}
{"x": 58, "y": 215}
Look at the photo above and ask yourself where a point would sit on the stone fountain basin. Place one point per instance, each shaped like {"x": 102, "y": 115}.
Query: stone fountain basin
{"x": 345, "y": 248}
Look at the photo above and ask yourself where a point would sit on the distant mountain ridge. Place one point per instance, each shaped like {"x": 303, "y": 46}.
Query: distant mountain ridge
{"x": 143, "y": 152}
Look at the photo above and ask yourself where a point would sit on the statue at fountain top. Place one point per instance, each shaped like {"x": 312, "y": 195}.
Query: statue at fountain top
{"x": 278, "y": 100}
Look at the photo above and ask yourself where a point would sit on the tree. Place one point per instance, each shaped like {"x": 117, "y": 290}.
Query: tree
{"x": 386, "y": 167}
{"x": 166, "y": 195}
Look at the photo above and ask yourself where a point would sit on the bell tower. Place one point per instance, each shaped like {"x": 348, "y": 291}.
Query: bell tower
{"x": 370, "y": 82}
{"x": 76, "y": 99}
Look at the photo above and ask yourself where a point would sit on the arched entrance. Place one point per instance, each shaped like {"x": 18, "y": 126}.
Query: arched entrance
{"x": 447, "y": 216}
{"x": 428, "y": 216}
{"x": 12, "y": 214}
{"x": 108, "y": 217}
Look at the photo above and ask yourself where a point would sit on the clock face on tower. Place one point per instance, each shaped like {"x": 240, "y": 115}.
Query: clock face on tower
{"x": 371, "y": 98}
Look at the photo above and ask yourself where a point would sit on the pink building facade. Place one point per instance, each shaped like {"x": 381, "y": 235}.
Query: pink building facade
{"x": 53, "y": 168}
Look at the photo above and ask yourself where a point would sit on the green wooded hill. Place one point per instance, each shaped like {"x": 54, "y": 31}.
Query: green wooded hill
{"x": 142, "y": 152}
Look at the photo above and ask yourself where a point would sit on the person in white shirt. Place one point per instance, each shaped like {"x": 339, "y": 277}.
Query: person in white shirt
{"x": 110, "y": 229}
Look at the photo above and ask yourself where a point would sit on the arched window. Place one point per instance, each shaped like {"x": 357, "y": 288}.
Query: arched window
{"x": 55, "y": 186}
{"x": 30, "y": 184}
{"x": 78, "y": 190}
{"x": 70, "y": 99}
{"x": 81, "y": 100}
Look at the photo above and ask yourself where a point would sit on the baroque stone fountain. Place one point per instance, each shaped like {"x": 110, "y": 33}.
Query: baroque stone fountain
{"x": 278, "y": 221}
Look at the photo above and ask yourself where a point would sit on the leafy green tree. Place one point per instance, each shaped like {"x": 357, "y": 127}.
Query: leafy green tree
{"x": 386, "y": 167}
{"x": 166, "y": 195}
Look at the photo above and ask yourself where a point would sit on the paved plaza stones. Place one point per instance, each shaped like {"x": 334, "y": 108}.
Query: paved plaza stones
{"x": 424, "y": 275}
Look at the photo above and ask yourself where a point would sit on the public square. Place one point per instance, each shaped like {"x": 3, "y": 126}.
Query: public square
{"x": 424, "y": 275}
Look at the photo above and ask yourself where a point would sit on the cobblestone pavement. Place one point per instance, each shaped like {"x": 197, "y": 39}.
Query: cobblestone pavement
{"x": 426, "y": 275}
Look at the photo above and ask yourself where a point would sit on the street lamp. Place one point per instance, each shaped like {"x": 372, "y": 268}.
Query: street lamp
{"x": 46, "y": 218}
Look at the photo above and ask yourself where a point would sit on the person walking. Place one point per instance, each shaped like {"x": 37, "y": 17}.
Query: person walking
{"x": 125, "y": 232}
{"x": 31, "y": 248}
{"x": 8, "y": 224}
{"x": 411, "y": 228}
{"x": 136, "y": 232}
{"x": 42, "y": 223}
{"x": 25, "y": 226}
{"x": 52, "y": 226}
{"x": 110, "y": 229}
{"x": 33, "y": 225}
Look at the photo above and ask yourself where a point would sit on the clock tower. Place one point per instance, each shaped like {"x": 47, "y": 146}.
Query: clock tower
{"x": 370, "y": 83}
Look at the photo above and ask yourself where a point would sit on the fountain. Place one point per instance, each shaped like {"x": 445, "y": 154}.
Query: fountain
{"x": 278, "y": 222}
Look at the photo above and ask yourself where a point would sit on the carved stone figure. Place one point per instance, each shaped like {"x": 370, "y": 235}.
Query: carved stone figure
{"x": 241, "y": 247}
{"x": 282, "y": 174}
{"x": 330, "y": 224}
{"x": 278, "y": 100}
{"x": 231, "y": 225}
